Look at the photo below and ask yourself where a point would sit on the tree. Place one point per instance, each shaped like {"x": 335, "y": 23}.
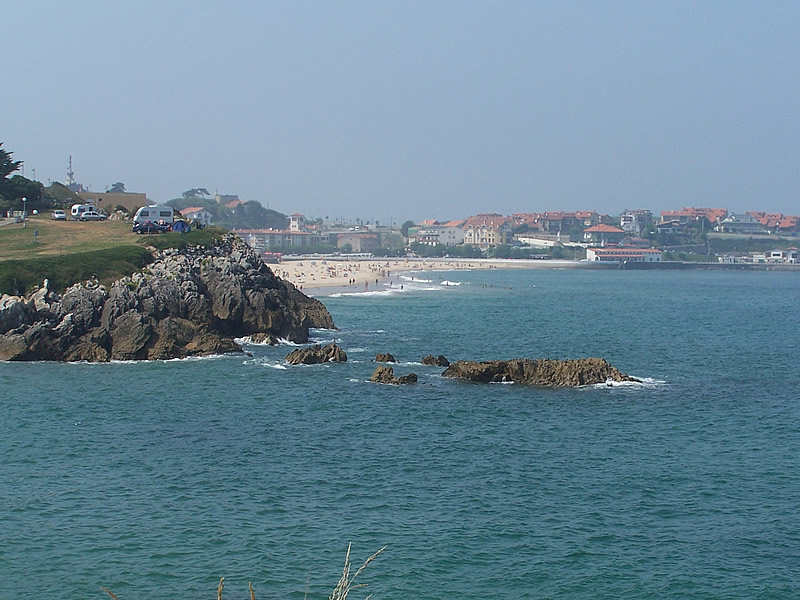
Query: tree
{"x": 196, "y": 193}
{"x": 117, "y": 188}
{"x": 405, "y": 226}
{"x": 393, "y": 241}
{"x": 19, "y": 187}
{"x": 7, "y": 166}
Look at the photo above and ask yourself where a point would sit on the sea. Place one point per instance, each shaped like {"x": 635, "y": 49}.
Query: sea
{"x": 156, "y": 479}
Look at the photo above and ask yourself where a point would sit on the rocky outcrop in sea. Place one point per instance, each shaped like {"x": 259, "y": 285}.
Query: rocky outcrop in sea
{"x": 542, "y": 372}
{"x": 317, "y": 354}
{"x": 435, "y": 361}
{"x": 188, "y": 302}
{"x": 385, "y": 374}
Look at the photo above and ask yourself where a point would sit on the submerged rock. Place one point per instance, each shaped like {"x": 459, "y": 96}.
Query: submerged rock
{"x": 435, "y": 361}
{"x": 386, "y": 375}
{"x": 542, "y": 372}
{"x": 317, "y": 354}
{"x": 385, "y": 357}
{"x": 188, "y": 302}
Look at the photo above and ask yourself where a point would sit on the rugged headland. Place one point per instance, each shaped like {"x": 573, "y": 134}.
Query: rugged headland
{"x": 189, "y": 302}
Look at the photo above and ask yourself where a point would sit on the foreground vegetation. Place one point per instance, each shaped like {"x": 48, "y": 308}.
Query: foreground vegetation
{"x": 65, "y": 252}
{"x": 346, "y": 584}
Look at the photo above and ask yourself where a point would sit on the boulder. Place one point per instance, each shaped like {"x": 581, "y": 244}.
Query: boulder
{"x": 435, "y": 361}
{"x": 385, "y": 357}
{"x": 542, "y": 372}
{"x": 386, "y": 375}
{"x": 317, "y": 354}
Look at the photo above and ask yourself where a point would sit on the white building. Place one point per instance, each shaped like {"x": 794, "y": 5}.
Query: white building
{"x": 197, "y": 214}
{"x": 624, "y": 255}
{"x": 447, "y": 234}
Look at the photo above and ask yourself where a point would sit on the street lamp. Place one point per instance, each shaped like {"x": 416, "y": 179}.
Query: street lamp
{"x": 24, "y": 211}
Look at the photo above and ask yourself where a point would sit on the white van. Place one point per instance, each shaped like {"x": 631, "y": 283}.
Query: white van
{"x": 155, "y": 214}
{"x": 78, "y": 209}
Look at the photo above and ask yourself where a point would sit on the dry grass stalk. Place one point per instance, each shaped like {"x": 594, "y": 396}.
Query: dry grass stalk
{"x": 110, "y": 593}
{"x": 252, "y": 593}
{"x": 347, "y": 583}
{"x": 219, "y": 588}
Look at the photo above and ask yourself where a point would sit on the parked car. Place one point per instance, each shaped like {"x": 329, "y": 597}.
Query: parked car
{"x": 58, "y": 215}
{"x": 149, "y": 227}
{"x": 92, "y": 215}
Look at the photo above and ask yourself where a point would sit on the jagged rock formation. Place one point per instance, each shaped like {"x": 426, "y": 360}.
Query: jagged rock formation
{"x": 435, "y": 361}
{"x": 317, "y": 354}
{"x": 188, "y": 302}
{"x": 385, "y": 357}
{"x": 543, "y": 372}
{"x": 386, "y": 375}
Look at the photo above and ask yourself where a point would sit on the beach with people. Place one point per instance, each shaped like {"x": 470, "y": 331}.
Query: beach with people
{"x": 325, "y": 276}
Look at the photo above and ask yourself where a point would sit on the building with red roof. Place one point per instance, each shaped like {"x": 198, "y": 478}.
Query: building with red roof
{"x": 603, "y": 234}
{"x": 486, "y": 230}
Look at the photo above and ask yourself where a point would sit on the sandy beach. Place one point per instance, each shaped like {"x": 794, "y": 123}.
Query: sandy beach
{"x": 329, "y": 275}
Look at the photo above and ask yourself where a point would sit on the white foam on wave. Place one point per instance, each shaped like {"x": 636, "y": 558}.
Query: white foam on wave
{"x": 445, "y": 282}
{"x": 644, "y": 383}
{"x": 356, "y": 349}
{"x": 415, "y": 279}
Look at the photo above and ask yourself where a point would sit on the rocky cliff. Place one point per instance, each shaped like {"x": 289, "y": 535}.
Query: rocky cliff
{"x": 543, "y": 372}
{"x": 188, "y": 302}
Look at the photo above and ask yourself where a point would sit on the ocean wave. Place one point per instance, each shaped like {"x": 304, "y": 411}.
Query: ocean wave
{"x": 643, "y": 383}
{"x": 355, "y": 349}
{"x": 415, "y": 279}
{"x": 445, "y": 282}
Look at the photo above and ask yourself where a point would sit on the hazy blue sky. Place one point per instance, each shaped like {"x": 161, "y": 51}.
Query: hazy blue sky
{"x": 412, "y": 109}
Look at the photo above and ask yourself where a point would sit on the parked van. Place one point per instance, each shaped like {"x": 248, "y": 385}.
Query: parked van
{"x": 78, "y": 209}
{"x": 155, "y": 214}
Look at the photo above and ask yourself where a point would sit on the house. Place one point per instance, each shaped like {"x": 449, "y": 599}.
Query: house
{"x": 486, "y": 230}
{"x": 444, "y": 234}
{"x": 777, "y": 222}
{"x": 635, "y": 221}
{"x": 198, "y": 214}
{"x": 624, "y": 255}
{"x": 690, "y": 214}
{"x": 669, "y": 227}
{"x": 277, "y": 239}
{"x": 742, "y": 224}
{"x": 604, "y": 235}
{"x": 297, "y": 222}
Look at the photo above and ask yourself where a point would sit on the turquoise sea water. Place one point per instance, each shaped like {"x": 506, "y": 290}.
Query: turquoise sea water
{"x": 156, "y": 479}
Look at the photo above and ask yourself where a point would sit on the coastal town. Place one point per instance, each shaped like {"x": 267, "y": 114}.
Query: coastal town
{"x": 637, "y": 237}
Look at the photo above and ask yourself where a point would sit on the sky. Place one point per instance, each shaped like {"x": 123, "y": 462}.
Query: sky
{"x": 391, "y": 111}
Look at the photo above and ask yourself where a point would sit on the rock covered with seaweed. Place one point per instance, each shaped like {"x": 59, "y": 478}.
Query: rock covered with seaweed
{"x": 542, "y": 372}
{"x": 193, "y": 301}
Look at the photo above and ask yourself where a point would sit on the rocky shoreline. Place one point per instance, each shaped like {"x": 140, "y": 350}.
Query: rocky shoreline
{"x": 188, "y": 302}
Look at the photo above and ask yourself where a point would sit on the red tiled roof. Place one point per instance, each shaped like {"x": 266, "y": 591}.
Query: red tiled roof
{"x": 191, "y": 209}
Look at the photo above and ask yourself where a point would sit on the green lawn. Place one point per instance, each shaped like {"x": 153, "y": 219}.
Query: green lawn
{"x": 69, "y": 251}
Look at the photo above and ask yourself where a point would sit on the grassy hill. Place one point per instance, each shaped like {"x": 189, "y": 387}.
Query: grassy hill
{"x": 69, "y": 251}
